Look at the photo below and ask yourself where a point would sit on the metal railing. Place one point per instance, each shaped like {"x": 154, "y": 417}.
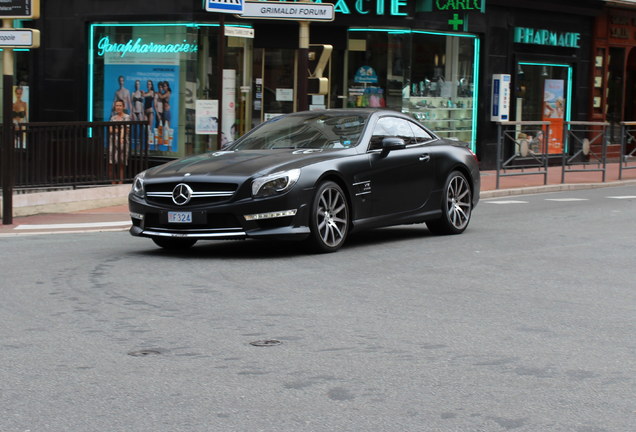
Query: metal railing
{"x": 73, "y": 154}
{"x": 522, "y": 149}
{"x": 628, "y": 156}
{"x": 583, "y": 141}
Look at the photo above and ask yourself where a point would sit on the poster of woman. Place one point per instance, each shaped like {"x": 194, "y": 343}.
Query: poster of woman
{"x": 554, "y": 112}
{"x": 20, "y": 112}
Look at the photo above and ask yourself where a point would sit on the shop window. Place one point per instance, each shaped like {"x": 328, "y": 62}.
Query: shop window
{"x": 430, "y": 75}
{"x": 168, "y": 76}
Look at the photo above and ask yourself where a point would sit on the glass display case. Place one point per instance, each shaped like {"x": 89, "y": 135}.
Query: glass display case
{"x": 448, "y": 117}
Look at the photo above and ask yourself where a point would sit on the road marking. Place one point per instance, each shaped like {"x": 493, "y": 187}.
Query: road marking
{"x": 507, "y": 202}
{"x": 73, "y": 226}
{"x": 566, "y": 199}
{"x": 623, "y": 197}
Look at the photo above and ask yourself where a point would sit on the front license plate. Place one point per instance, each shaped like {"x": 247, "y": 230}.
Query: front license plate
{"x": 179, "y": 217}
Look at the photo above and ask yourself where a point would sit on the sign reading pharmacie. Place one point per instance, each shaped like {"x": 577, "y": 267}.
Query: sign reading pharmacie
{"x": 297, "y": 11}
{"x": 532, "y": 36}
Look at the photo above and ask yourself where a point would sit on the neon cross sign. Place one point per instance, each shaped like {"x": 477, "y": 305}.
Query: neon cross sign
{"x": 455, "y": 22}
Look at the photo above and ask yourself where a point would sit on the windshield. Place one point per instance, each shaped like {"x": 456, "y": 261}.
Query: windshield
{"x": 308, "y": 131}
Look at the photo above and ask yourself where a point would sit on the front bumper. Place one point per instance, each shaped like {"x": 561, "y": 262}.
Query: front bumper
{"x": 226, "y": 221}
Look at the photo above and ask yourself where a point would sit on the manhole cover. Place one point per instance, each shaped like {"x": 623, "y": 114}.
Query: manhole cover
{"x": 143, "y": 353}
{"x": 266, "y": 343}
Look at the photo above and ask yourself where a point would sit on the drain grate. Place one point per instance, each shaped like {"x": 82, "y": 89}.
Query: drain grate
{"x": 144, "y": 353}
{"x": 266, "y": 343}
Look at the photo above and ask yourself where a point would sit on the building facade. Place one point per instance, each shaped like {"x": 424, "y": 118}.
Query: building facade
{"x": 200, "y": 79}
{"x": 614, "y": 67}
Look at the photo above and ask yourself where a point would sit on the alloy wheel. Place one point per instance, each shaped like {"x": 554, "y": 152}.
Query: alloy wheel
{"x": 331, "y": 216}
{"x": 458, "y": 202}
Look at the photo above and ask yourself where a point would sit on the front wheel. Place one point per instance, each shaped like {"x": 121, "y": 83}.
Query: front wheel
{"x": 329, "y": 218}
{"x": 171, "y": 243}
{"x": 456, "y": 208}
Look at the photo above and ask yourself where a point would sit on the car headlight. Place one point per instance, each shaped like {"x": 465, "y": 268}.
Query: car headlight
{"x": 138, "y": 185}
{"x": 276, "y": 183}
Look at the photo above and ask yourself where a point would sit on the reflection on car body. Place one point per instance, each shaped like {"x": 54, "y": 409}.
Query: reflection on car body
{"x": 315, "y": 176}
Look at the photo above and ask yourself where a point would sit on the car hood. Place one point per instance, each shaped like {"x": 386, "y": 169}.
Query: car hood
{"x": 245, "y": 163}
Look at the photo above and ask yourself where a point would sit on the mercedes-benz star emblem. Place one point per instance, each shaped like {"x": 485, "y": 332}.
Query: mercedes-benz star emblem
{"x": 181, "y": 194}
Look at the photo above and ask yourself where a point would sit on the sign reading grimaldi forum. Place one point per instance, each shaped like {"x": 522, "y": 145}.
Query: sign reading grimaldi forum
{"x": 288, "y": 10}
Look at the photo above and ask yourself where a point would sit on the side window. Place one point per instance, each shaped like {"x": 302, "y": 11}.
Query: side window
{"x": 421, "y": 135}
{"x": 391, "y": 127}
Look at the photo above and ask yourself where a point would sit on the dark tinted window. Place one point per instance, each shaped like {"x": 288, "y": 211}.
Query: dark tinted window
{"x": 310, "y": 131}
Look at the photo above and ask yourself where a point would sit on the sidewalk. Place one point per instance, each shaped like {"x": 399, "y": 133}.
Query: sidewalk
{"x": 105, "y": 208}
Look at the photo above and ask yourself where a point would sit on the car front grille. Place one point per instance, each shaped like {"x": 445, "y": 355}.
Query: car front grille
{"x": 202, "y": 193}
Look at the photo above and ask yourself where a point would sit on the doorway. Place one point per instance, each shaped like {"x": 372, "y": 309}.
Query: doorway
{"x": 543, "y": 92}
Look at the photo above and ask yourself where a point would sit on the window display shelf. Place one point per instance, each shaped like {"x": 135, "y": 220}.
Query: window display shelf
{"x": 448, "y": 117}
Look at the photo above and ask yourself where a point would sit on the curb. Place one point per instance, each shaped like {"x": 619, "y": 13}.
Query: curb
{"x": 67, "y": 201}
{"x": 529, "y": 190}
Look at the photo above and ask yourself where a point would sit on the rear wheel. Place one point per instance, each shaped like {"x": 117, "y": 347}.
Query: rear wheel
{"x": 329, "y": 219}
{"x": 174, "y": 243}
{"x": 457, "y": 206}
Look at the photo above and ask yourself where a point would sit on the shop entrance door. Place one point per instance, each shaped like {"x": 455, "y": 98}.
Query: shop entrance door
{"x": 630, "y": 87}
{"x": 543, "y": 93}
{"x": 237, "y": 76}
{"x": 275, "y": 84}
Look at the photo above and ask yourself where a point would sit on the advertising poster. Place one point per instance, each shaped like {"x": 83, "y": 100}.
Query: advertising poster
{"x": 148, "y": 83}
{"x": 150, "y": 93}
{"x": 366, "y": 75}
{"x": 207, "y": 117}
{"x": 554, "y": 112}
{"x": 20, "y": 104}
{"x": 228, "y": 128}
{"x": 20, "y": 111}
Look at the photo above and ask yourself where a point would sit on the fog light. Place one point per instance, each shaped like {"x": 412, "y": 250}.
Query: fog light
{"x": 270, "y": 215}
{"x": 136, "y": 216}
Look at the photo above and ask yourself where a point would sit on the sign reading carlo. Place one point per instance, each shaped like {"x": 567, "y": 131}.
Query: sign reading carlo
{"x": 452, "y": 5}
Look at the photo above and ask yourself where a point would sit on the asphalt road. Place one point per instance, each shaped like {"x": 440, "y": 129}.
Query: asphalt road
{"x": 524, "y": 323}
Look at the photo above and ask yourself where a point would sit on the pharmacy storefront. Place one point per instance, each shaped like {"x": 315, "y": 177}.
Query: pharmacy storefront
{"x": 200, "y": 85}
{"x": 544, "y": 84}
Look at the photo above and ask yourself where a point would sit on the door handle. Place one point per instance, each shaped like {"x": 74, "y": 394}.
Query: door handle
{"x": 425, "y": 157}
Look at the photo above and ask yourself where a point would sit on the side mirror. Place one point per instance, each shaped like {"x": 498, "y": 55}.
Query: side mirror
{"x": 392, "y": 143}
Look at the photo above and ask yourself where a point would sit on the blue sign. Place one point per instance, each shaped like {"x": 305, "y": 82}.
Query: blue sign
{"x": 366, "y": 74}
{"x": 224, "y": 6}
{"x": 495, "y": 98}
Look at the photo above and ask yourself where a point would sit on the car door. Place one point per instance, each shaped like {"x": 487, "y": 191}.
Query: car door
{"x": 401, "y": 179}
